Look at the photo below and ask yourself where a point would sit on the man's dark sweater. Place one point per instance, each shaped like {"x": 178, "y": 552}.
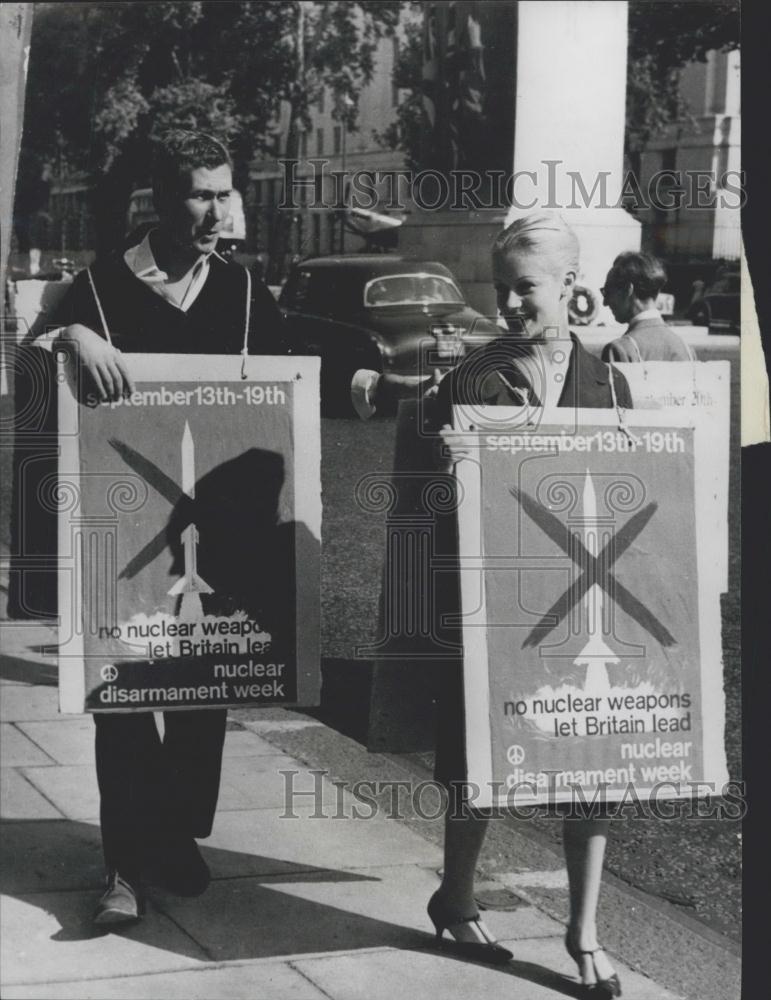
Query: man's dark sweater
{"x": 156, "y": 796}
{"x": 140, "y": 320}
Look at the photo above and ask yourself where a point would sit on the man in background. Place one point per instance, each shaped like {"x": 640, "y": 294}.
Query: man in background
{"x": 631, "y": 288}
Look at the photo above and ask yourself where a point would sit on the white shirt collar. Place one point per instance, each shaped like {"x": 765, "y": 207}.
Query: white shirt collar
{"x": 140, "y": 260}
{"x": 645, "y": 314}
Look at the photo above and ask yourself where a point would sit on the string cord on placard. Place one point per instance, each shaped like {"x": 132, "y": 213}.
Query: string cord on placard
{"x": 245, "y": 348}
{"x": 102, "y": 319}
{"x": 632, "y": 438}
{"x": 515, "y": 390}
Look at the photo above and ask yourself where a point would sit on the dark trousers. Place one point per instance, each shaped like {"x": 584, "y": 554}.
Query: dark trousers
{"x": 154, "y": 791}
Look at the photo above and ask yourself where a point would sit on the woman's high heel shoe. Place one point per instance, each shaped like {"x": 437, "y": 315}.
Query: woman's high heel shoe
{"x": 605, "y": 988}
{"x": 472, "y": 938}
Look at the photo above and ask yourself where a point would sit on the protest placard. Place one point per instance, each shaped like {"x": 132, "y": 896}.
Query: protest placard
{"x": 189, "y": 536}
{"x": 706, "y": 387}
{"x": 590, "y": 583}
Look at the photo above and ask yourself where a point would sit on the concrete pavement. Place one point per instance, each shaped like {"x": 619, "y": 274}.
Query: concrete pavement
{"x": 305, "y": 902}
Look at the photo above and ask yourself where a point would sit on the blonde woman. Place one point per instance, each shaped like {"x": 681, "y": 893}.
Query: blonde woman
{"x": 535, "y": 264}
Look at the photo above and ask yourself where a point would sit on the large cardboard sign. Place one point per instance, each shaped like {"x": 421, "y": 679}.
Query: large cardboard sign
{"x": 704, "y": 386}
{"x": 189, "y": 536}
{"x": 590, "y": 582}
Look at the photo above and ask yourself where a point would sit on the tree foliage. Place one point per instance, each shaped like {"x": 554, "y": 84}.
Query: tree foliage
{"x": 105, "y": 79}
{"x": 664, "y": 35}
{"x": 328, "y": 46}
{"x": 407, "y": 131}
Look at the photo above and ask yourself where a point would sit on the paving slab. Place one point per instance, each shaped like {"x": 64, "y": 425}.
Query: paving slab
{"x": 242, "y": 743}
{"x": 256, "y": 782}
{"x": 551, "y": 955}
{"x": 69, "y": 741}
{"x": 277, "y": 725}
{"x": 537, "y": 972}
{"x": 22, "y": 662}
{"x": 253, "y": 782}
{"x": 396, "y": 895}
{"x": 325, "y": 911}
{"x": 253, "y": 918}
{"x": 21, "y": 702}
{"x": 17, "y": 749}
{"x": 17, "y": 670}
{"x": 55, "y": 854}
{"x": 231, "y": 981}
{"x": 19, "y": 800}
{"x": 656, "y": 940}
{"x": 260, "y": 763}
{"x": 299, "y": 840}
{"x": 72, "y": 789}
{"x": 49, "y": 936}
{"x": 399, "y": 895}
{"x": 379, "y": 975}
{"x": 28, "y": 639}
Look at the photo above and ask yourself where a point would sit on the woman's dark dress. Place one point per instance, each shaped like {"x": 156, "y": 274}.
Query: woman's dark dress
{"x": 476, "y": 381}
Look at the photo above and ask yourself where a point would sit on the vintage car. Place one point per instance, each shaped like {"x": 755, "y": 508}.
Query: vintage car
{"x": 718, "y": 305}
{"x": 378, "y": 311}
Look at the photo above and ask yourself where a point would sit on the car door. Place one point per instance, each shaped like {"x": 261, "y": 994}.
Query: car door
{"x": 293, "y": 302}
{"x": 724, "y": 299}
{"x": 316, "y": 304}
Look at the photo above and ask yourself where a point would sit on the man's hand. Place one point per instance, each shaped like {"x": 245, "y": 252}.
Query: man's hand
{"x": 392, "y": 388}
{"x": 373, "y": 392}
{"x": 103, "y": 364}
{"x": 456, "y": 444}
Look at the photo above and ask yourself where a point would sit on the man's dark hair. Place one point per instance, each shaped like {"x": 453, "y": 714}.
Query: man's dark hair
{"x": 177, "y": 154}
{"x": 642, "y": 270}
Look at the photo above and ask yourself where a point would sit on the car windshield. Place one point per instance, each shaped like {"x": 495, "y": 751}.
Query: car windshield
{"x": 411, "y": 290}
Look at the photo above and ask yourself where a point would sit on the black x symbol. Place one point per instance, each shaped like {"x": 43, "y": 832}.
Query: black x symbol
{"x": 168, "y": 489}
{"x": 596, "y": 569}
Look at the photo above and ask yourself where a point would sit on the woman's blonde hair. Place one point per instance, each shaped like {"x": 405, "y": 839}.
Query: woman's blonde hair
{"x": 543, "y": 233}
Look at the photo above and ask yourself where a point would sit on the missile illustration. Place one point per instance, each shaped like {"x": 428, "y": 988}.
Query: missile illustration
{"x": 595, "y": 655}
{"x": 190, "y": 585}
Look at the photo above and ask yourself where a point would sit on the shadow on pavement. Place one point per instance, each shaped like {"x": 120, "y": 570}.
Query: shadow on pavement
{"x": 14, "y": 668}
{"x": 56, "y": 865}
{"x": 256, "y": 906}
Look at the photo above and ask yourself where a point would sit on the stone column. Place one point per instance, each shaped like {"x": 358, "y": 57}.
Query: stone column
{"x": 569, "y": 106}
{"x": 569, "y": 122}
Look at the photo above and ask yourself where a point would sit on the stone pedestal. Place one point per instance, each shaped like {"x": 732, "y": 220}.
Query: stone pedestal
{"x": 460, "y": 240}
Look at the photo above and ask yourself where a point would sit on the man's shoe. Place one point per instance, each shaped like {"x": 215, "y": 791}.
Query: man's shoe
{"x": 120, "y": 904}
{"x": 176, "y": 864}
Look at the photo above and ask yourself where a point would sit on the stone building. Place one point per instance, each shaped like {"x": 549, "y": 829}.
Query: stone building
{"x": 709, "y": 141}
